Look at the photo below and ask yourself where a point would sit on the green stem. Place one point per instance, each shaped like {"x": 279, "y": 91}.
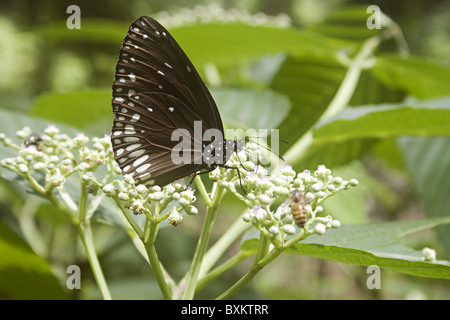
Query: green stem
{"x": 227, "y": 265}
{"x": 83, "y": 203}
{"x": 85, "y": 232}
{"x": 151, "y": 229}
{"x": 255, "y": 268}
{"x": 202, "y": 190}
{"x": 340, "y": 100}
{"x": 259, "y": 264}
{"x": 211, "y": 212}
{"x": 224, "y": 242}
{"x": 263, "y": 248}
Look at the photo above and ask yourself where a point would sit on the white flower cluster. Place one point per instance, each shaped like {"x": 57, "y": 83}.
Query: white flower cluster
{"x": 260, "y": 191}
{"x": 215, "y": 13}
{"x": 154, "y": 200}
{"x": 52, "y": 157}
{"x": 52, "y": 154}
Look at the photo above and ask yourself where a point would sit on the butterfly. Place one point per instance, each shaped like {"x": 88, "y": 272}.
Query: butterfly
{"x": 159, "y": 98}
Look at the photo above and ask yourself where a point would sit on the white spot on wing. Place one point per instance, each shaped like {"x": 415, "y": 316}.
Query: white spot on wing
{"x": 143, "y": 167}
{"x": 135, "y": 117}
{"x": 140, "y": 160}
{"x": 137, "y": 153}
{"x": 133, "y": 146}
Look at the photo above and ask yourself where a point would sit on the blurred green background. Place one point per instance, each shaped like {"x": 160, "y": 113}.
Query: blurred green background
{"x": 43, "y": 63}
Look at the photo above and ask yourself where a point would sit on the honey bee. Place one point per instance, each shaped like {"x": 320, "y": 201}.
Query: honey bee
{"x": 297, "y": 201}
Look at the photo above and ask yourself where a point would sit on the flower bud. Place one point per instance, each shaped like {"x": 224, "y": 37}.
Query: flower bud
{"x": 174, "y": 217}
{"x": 141, "y": 189}
{"x": 288, "y": 229}
{"x": 274, "y": 230}
{"x": 320, "y": 228}
{"x": 335, "y": 224}
{"x": 191, "y": 210}
{"x": 157, "y": 196}
{"x": 39, "y": 166}
{"x": 123, "y": 196}
{"x": 264, "y": 199}
{"x": 109, "y": 189}
{"x": 429, "y": 254}
{"x": 22, "y": 168}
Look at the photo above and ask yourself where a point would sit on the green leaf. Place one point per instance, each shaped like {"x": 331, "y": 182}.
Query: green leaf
{"x": 376, "y": 244}
{"x": 310, "y": 82}
{"x": 23, "y": 274}
{"x": 348, "y": 25}
{"x": 228, "y": 42}
{"x": 79, "y": 109}
{"x": 417, "y": 76}
{"x": 247, "y": 108}
{"x": 354, "y": 131}
{"x": 97, "y": 31}
{"x": 428, "y": 162}
{"x": 224, "y": 41}
{"x": 383, "y": 121}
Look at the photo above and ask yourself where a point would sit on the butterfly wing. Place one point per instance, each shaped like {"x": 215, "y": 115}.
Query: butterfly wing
{"x": 142, "y": 138}
{"x": 156, "y": 91}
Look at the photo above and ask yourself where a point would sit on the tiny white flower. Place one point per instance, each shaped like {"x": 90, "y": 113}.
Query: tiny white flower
{"x": 108, "y": 189}
{"x": 274, "y": 230}
{"x": 22, "y": 168}
{"x": 123, "y": 196}
{"x": 191, "y": 210}
{"x": 141, "y": 188}
{"x": 157, "y": 196}
{"x": 264, "y": 199}
{"x": 38, "y": 166}
{"x": 335, "y": 224}
{"x": 288, "y": 229}
{"x": 320, "y": 228}
{"x": 429, "y": 254}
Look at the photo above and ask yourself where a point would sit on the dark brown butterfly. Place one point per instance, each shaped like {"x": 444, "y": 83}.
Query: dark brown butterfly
{"x": 156, "y": 92}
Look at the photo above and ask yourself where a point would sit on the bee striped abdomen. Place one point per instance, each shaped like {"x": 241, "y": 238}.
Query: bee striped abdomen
{"x": 298, "y": 208}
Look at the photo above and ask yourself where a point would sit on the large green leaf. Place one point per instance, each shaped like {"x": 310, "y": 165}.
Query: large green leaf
{"x": 428, "y": 162}
{"x": 310, "y": 82}
{"x": 371, "y": 244}
{"x": 79, "y": 109}
{"x": 211, "y": 42}
{"x": 376, "y": 244}
{"x": 348, "y": 24}
{"x": 354, "y": 131}
{"x": 417, "y": 76}
{"x": 382, "y": 121}
{"x": 23, "y": 274}
{"x": 247, "y": 108}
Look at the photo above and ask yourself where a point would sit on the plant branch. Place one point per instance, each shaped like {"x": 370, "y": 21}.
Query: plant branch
{"x": 194, "y": 271}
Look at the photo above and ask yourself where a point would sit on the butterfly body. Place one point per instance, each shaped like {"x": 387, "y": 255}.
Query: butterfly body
{"x": 161, "y": 104}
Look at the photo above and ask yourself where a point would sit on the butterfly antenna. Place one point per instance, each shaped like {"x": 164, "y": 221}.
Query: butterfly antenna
{"x": 268, "y": 149}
